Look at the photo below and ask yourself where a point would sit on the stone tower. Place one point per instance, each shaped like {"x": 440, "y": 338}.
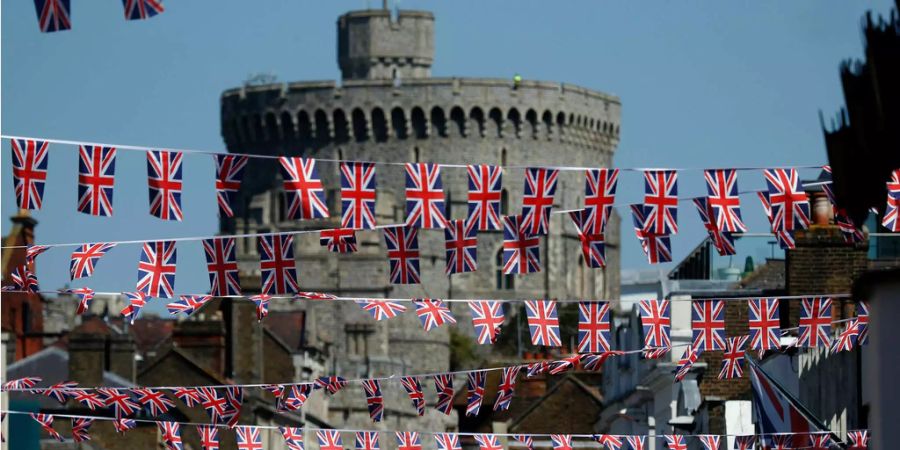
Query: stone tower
{"x": 388, "y": 108}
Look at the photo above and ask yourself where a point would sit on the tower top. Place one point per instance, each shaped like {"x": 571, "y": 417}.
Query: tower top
{"x": 374, "y": 45}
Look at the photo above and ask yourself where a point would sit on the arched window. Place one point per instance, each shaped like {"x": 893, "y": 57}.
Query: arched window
{"x": 504, "y": 202}
{"x": 504, "y": 281}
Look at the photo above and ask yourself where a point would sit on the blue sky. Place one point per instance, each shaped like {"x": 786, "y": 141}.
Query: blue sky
{"x": 703, "y": 84}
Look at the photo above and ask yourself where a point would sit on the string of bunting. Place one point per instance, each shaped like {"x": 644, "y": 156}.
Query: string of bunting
{"x": 248, "y": 437}
{"x": 55, "y": 15}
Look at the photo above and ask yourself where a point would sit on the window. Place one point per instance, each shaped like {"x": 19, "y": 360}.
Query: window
{"x": 504, "y": 281}
{"x": 504, "y": 202}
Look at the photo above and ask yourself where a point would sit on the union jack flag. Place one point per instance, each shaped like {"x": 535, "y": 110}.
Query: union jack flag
{"x": 661, "y": 202}
{"x": 485, "y": 196}
{"x": 594, "y": 362}
{"x": 599, "y": 196}
{"x": 304, "y": 194}
{"x": 609, "y": 441}
{"x": 535, "y": 369}
{"x": 367, "y": 440}
{"x": 248, "y": 438}
{"x": 424, "y": 196}
{"x": 789, "y": 205}
{"x": 234, "y": 395}
{"x": 136, "y": 301}
{"x": 820, "y": 442}
{"x": 338, "y": 240}
{"x": 461, "y": 243}
{"x": 507, "y": 387}
{"x": 381, "y": 309}
{"x": 891, "y": 219}
{"x": 277, "y": 265}
{"x": 847, "y": 338}
{"x": 96, "y": 175}
{"x": 229, "y": 174}
{"x": 780, "y": 442}
{"x": 155, "y": 401}
{"x": 171, "y": 435}
{"x": 525, "y": 440}
{"x": 312, "y": 295}
{"x": 862, "y": 316}
{"x": 733, "y": 358}
{"x": 262, "y": 305}
{"x": 593, "y": 327}
{"x": 329, "y": 440}
{"x": 53, "y": 15}
{"x": 358, "y": 195}
{"x": 209, "y": 437}
{"x": 475, "y": 387}
{"x": 403, "y": 254}
{"x": 561, "y": 441}
{"x": 675, "y": 442}
{"x": 156, "y": 270}
{"x": 123, "y": 425}
{"x": 215, "y": 404}
{"x": 276, "y": 389}
{"x": 46, "y": 422}
{"x": 31, "y": 281}
{"x": 188, "y": 304}
{"x": 222, "y": 267}
{"x": 722, "y": 187}
{"x": 657, "y": 248}
{"x": 540, "y": 189}
{"x": 543, "y": 322}
{"x": 80, "y": 427}
{"x": 32, "y": 251}
{"x": 487, "y": 318}
{"x": 331, "y": 384}
{"x": 447, "y": 441}
{"x": 85, "y": 259}
{"x": 23, "y": 279}
{"x": 710, "y": 441}
{"x": 190, "y": 396}
{"x": 408, "y": 440}
{"x": 656, "y": 321}
{"x": 293, "y": 437}
{"x": 85, "y": 295}
{"x": 488, "y": 442}
{"x": 521, "y": 251}
{"x": 564, "y": 365}
{"x": 374, "y": 399}
{"x": 785, "y": 238}
{"x": 414, "y": 390}
{"x": 443, "y": 384}
{"x": 165, "y": 183}
{"x": 815, "y": 322}
{"x": 723, "y": 241}
{"x": 432, "y": 313}
{"x": 849, "y": 231}
{"x": 295, "y": 395}
{"x": 120, "y": 401}
{"x": 593, "y": 246}
{"x": 30, "y": 160}
{"x": 142, "y": 9}
{"x": 859, "y": 439}
{"x": 636, "y": 442}
{"x": 744, "y": 442}
{"x": 20, "y": 383}
{"x": 691, "y": 353}
{"x": 708, "y": 324}
{"x": 765, "y": 331}
{"x": 60, "y": 391}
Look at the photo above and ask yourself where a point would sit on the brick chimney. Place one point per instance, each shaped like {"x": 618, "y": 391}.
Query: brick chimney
{"x": 204, "y": 341}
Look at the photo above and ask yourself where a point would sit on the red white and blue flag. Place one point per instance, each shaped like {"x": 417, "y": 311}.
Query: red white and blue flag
{"x": 846, "y": 339}
{"x": 153, "y": 401}
{"x": 521, "y": 250}
{"x": 447, "y": 441}
{"x": 593, "y": 246}
{"x": 293, "y": 437}
{"x": 294, "y": 396}
{"x": 708, "y": 324}
{"x": 329, "y": 440}
{"x": 862, "y": 317}
{"x": 723, "y": 241}
{"x": 525, "y": 439}
{"x": 609, "y": 441}
{"x": 248, "y": 438}
{"x": 331, "y": 384}
{"x": 488, "y": 442}
{"x": 123, "y": 425}
{"x": 164, "y": 183}
{"x": 636, "y": 442}
{"x": 661, "y": 202}
{"x": 338, "y": 240}
{"x": 543, "y": 322}
{"x": 891, "y": 219}
{"x": 432, "y": 313}
{"x": 358, "y": 195}
{"x": 487, "y": 318}
{"x": 540, "y": 189}
{"x": 171, "y": 435}
{"x": 96, "y": 177}
{"x": 20, "y": 383}
{"x": 60, "y": 391}
{"x": 733, "y": 358}
{"x": 744, "y": 442}
{"x": 46, "y": 422}
{"x": 222, "y": 267}
{"x": 765, "y": 326}
{"x": 722, "y": 187}
{"x": 710, "y": 441}
{"x": 32, "y": 251}
{"x": 443, "y": 384}
{"x": 53, "y": 15}
{"x": 156, "y": 269}
{"x": 190, "y": 396}
{"x": 261, "y": 302}
{"x": 789, "y": 204}
{"x": 120, "y": 401}
{"x": 657, "y": 247}
{"x": 475, "y": 388}
{"x": 656, "y": 320}
{"x": 85, "y": 259}
{"x": 675, "y": 442}
{"x": 408, "y": 440}
{"x": 304, "y": 195}
{"x": 142, "y": 9}
{"x": 690, "y": 356}
{"x": 424, "y": 196}
{"x": 366, "y": 440}
{"x": 461, "y": 244}
{"x": 785, "y": 238}
{"x": 593, "y": 327}
{"x": 485, "y": 195}
{"x": 507, "y": 387}
{"x": 381, "y": 309}
{"x": 374, "y": 399}
{"x": 187, "y": 304}
{"x": 136, "y": 302}
{"x": 277, "y": 265}
{"x": 815, "y": 322}
{"x": 561, "y": 441}
{"x": 414, "y": 390}
{"x": 599, "y": 196}
{"x": 30, "y": 162}
{"x": 858, "y": 439}
{"x": 403, "y": 254}
{"x": 209, "y": 437}
{"x": 229, "y": 173}
{"x": 80, "y": 427}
